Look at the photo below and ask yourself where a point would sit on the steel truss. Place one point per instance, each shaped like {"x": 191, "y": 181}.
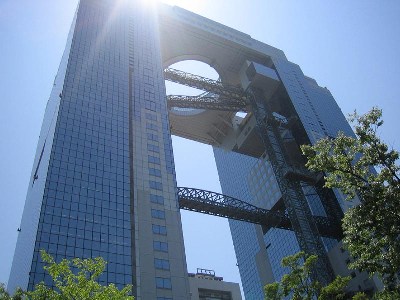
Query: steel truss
{"x": 228, "y": 207}
{"x": 213, "y": 86}
{"x": 225, "y": 206}
{"x": 289, "y": 180}
{"x": 206, "y": 102}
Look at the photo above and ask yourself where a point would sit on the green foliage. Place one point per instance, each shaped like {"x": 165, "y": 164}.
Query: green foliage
{"x": 372, "y": 229}
{"x": 273, "y": 291}
{"x": 334, "y": 290}
{"x": 386, "y": 295}
{"x": 297, "y": 282}
{"x": 4, "y": 295}
{"x": 82, "y": 285}
{"x": 360, "y": 296}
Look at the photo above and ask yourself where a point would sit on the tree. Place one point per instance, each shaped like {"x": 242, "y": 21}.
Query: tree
{"x": 364, "y": 166}
{"x": 4, "y": 295}
{"x": 82, "y": 285}
{"x": 297, "y": 282}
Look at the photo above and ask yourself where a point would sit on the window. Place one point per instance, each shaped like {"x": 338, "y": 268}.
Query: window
{"x": 152, "y": 137}
{"x": 153, "y": 148}
{"x": 151, "y": 117}
{"x": 163, "y": 283}
{"x": 151, "y": 126}
{"x": 161, "y": 264}
{"x": 158, "y": 214}
{"x": 150, "y": 105}
{"x": 154, "y": 172}
{"x": 155, "y": 185}
{"x": 157, "y": 199}
{"x": 154, "y": 160}
{"x": 159, "y": 229}
{"x": 160, "y": 246}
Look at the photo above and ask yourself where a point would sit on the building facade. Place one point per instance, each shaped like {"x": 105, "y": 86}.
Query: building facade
{"x": 205, "y": 285}
{"x": 103, "y": 180}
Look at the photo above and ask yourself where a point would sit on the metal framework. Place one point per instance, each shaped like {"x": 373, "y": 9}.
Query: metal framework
{"x": 293, "y": 196}
{"x": 228, "y": 207}
{"x": 306, "y": 227}
{"x": 225, "y": 206}
{"x": 213, "y": 86}
{"x": 206, "y": 102}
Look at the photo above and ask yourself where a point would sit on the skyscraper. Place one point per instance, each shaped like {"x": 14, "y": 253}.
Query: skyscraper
{"x": 103, "y": 180}
{"x": 105, "y": 141}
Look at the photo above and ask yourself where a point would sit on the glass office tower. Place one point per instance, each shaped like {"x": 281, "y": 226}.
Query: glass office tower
{"x": 103, "y": 180}
{"x": 251, "y": 179}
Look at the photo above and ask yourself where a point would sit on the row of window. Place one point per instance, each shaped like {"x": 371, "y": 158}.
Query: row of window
{"x": 68, "y": 187}
{"x": 74, "y": 201}
{"x": 84, "y": 114}
{"x": 114, "y": 167}
{"x": 90, "y": 153}
{"x": 91, "y": 205}
{"x": 58, "y": 181}
{"x": 85, "y": 238}
{"x": 161, "y": 264}
{"x": 92, "y": 145}
{"x": 90, "y": 223}
{"x": 122, "y": 255}
{"x": 81, "y": 127}
{"x": 110, "y": 228}
{"x": 75, "y": 189}
{"x": 85, "y": 135}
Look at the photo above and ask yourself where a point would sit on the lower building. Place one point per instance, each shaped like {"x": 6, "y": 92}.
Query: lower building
{"x": 205, "y": 285}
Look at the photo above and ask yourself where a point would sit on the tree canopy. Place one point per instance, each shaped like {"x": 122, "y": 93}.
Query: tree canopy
{"x": 364, "y": 167}
{"x": 297, "y": 284}
{"x": 73, "y": 280}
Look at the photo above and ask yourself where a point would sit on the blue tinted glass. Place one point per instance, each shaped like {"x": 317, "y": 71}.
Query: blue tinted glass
{"x": 160, "y": 246}
{"x": 157, "y": 199}
{"x": 163, "y": 283}
{"x": 159, "y": 229}
{"x": 158, "y": 214}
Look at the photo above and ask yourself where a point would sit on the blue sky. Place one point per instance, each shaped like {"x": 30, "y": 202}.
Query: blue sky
{"x": 351, "y": 47}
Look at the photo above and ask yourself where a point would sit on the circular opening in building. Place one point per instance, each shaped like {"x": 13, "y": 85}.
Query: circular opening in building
{"x": 193, "y": 67}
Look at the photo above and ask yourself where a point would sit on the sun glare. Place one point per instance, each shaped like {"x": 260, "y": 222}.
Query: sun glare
{"x": 192, "y": 5}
